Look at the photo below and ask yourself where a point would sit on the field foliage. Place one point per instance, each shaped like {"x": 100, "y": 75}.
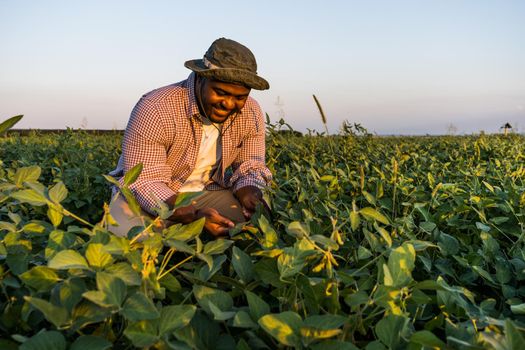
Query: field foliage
{"x": 374, "y": 243}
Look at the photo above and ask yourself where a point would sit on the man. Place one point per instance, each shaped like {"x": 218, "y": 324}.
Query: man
{"x": 202, "y": 134}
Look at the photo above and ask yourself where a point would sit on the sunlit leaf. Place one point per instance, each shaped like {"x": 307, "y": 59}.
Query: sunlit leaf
{"x": 68, "y": 259}
{"x": 284, "y": 327}
{"x": 132, "y": 174}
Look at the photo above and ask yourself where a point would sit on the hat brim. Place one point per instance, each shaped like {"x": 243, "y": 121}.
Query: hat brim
{"x": 229, "y": 75}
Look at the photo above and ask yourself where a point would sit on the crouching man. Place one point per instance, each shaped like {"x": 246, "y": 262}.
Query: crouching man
{"x": 201, "y": 134}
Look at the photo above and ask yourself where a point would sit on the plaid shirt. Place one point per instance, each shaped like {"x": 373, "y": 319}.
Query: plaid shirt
{"x": 164, "y": 134}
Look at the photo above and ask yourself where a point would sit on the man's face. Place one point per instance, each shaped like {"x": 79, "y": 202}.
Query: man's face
{"x": 220, "y": 100}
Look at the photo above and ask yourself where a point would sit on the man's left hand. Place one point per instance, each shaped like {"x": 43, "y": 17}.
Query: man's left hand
{"x": 249, "y": 197}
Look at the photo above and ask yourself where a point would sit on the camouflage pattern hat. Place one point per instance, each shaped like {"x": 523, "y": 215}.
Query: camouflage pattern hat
{"x": 227, "y": 60}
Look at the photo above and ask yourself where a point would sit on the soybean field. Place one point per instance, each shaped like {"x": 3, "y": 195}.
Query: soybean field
{"x": 373, "y": 243}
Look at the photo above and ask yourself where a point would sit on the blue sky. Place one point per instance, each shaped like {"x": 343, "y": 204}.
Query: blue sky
{"x": 396, "y": 67}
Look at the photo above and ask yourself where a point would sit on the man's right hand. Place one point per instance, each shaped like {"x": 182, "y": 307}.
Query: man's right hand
{"x": 216, "y": 224}
{"x": 184, "y": 215}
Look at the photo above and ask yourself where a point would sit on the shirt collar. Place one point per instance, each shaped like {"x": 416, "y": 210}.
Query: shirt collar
{"x": 193, "y": 107}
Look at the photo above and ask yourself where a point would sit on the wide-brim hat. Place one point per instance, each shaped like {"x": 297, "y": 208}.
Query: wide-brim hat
{"x": 227, "y": 60}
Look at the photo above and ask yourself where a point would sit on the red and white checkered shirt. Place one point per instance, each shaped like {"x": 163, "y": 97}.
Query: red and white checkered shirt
{"x": 164, "y": 134}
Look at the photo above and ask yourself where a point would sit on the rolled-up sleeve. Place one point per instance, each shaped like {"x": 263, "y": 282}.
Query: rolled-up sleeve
{"x": 249, "y": 167}
{"x": 146, "y": 141}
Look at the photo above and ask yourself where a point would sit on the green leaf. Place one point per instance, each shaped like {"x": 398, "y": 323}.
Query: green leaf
{"x": 98, "y": 297}
{"x": 372, "y": 240}
{"x": 54, "y": 216}
{"x": 58, "y": 192}
{"x": 132, "y": 202}
{"x": 518, "y": 309}
{"x": 142, "y": 334}
{"x": 513, "y": 337}
{"x": 45, "y": 340}
{"x": 219, "y": 298}
{"x": 384, "y": 234}
{"x": 7, "y": 226}
{"x": 9, "y": 123}
{"x": 138, "y": 307}
{"x": 483, "y": 273}
{"x": 90, "y": 342}
{"x": 390, "y": 329}
{"x": 243, "y": 320}
{"x": 7, "y": 344}
{"x": 292, "y": 260}
{"x": 218, "y": 314}
{"x": 482, "y": 227}
{"x": 112, "y": 180}
{"x": 448, "y": 244}
{"x": 206, "y": 272}
{"x": 333, "y": 345}
{"x": 319, "y": 327}
{"x": 325, "y": 321}
{"x": 242, "y": 344}
{"x": 185, "y": 232}
{"x": 117, "y": 245}
{"x": 419, "y": 297}
{"x": 27, "y": 174}
{"x": 169, "y": 282}
{"x": 358, "y": 298}
{"x": 388, "y": 280}
{"x": 297, "y": 229}
{"x": 202, "y": 333}
{"x": 30, "y": 196}
{"x": 310, "y": 296}
{"x": 40, "y": 278}
{"x": 428, "y": 339}
{"x": 132, "y": 174}
{"x": 186, "y": 198}
{"x": 372, "y": 214}
{"x": 258, "y": 307}
{"x": 59, "y": 241}
{"x": 207, "y": 259}
{"x": 17, "y": 262}
{"x": 401, "y": 262}
{"x": 376, "y": 345}
{"x": 68, "y": 259}
{"x": 174, "y": 317}
{"x": 112, "y": 286}
{"x": 355, "y": 220}
{"x": 310, "y": 335}
{"x": 284, "y": 327}
{"x": 86, "y": 312}
{"x": 369, "y": 198}
{"x": 270, "y": 237}
{"x": 125, "y": 272}
{"x": 97, "y": 257}
{"x": 242, "y": 264}
{"x": 70, "y": 292}
{"x": 180, "y": 246}
{"x": 363, "y": 253}
{"x": 217, "y": 246}
{"x": 55, "y": 314}
{"x": 427, "y": 226}
{"x": 325, "y": 242}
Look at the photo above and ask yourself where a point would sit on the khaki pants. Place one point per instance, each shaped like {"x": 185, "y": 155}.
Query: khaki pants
{"x": 224, "y": 201}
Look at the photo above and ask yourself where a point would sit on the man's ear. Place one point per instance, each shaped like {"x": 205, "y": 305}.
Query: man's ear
{"x": 199, "y": 82}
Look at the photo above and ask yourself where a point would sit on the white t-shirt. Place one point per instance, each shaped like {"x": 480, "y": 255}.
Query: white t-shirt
{"x": 210, "y": 153}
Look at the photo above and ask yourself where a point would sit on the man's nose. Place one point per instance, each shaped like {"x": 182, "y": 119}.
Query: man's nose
{"x": 228, "y": 103}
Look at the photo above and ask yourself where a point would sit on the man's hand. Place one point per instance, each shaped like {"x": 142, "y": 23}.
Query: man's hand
{"x": 249, "y": 197}
{"x": 216, "y": 224}
{"x": 184, "y": 215}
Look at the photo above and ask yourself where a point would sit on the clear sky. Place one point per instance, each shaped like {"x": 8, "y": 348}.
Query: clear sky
{"x": 396, "y": 67}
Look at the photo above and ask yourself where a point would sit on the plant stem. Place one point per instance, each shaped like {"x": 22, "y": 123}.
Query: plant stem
{"x": 174, "y": 267}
